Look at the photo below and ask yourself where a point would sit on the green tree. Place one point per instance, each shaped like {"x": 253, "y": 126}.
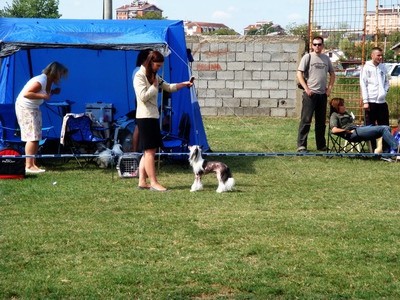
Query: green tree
{"x": 301, "y": 31}
{"x": 151, "y": 15}
{"x": 265, "y": 29}
{"x": 223, "y": 31}
{"x": 31, "y": 9}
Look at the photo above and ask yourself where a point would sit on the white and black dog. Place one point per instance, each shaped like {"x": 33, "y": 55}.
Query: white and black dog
{"x": 202, "y": 167}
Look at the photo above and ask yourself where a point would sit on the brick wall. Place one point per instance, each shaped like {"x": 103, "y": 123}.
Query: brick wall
{"x": 246, "y": 75}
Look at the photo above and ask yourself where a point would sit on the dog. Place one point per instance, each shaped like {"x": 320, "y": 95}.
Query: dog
{"x": 202, "y": 167}
{"x": 108, "y": 156}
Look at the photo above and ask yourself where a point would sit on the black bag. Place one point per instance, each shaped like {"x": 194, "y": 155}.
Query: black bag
{"x": 305, "y": 72}
{"x": 11, "y": 167}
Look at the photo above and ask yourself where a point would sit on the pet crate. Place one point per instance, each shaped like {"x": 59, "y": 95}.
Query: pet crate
{"x": 128, "y": 165}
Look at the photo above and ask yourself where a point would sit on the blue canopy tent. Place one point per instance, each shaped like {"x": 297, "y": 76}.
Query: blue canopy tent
{"x": 100, "y": 56}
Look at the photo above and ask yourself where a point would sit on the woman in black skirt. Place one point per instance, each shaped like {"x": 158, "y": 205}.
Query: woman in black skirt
{"x": 146, "y": 84}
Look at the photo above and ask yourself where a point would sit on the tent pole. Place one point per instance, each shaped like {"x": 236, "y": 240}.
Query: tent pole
{"x": 30, "y": 63}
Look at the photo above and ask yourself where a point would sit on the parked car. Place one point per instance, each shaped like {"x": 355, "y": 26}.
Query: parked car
{"x": 394, "y": 74}
{"x": 352, "y": 72}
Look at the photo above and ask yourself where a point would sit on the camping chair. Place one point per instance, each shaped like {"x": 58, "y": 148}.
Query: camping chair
{"x": 10, "y": 135}
{"x": 82, "y": 137}
{"x": 177, "y": 143}
{"x": 339, "y": 144}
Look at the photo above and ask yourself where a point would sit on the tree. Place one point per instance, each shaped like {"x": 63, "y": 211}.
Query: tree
{"x": 151, "y": 15}
{"x": 31, "y": 9}
{"x": 300, "y": 31}
{"x": 223, "y": 31}
{"x": 265, "y": 29}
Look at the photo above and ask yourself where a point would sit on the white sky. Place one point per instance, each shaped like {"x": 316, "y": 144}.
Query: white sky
{"x": 233, "y": 13}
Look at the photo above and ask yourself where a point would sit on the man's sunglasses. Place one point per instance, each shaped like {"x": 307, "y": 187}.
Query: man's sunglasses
{"x": 317, "y": 44}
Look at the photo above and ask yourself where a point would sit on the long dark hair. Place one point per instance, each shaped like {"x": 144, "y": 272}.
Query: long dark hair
{"x": 153, "y": 57}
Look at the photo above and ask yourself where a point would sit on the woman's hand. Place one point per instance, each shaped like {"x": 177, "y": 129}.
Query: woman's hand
{"x": 155, "y": 83}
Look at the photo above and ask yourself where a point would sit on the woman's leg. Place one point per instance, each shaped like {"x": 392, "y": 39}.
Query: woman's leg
{"x": 367, "y": 133}
{"x": 31, "y": 148}
{"x": 142, "y": 173}
{"x": 150, "y": 168}
{"x": 389, "y": 138}
{"x": 135, "y": 139}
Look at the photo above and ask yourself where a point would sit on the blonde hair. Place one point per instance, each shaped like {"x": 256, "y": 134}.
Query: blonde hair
{"x": 55, "y": 68}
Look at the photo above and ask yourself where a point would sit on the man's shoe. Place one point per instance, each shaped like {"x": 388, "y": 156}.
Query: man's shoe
{"x": 323, "y": 149}
{"x": 302, "y": 149}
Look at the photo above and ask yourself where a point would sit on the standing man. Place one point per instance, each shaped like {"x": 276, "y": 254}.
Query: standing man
{"x": 374, "y": 84}
{"x": 315, "y": 95}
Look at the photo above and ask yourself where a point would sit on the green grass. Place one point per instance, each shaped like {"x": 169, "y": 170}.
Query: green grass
{"x": 295, "y": 227}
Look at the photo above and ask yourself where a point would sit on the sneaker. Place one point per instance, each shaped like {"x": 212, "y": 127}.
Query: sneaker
{"x": 302, "y": 149}
{"x": 388, "y": 159}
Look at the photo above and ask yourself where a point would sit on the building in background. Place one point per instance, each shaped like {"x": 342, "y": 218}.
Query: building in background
{"x": 386, "y": 21}
{"x": 137, "y": 9}
{"x": 198, "y": 28}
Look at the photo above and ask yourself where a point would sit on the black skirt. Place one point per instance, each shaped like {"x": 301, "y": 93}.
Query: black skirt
{"x": 149, "y": 134}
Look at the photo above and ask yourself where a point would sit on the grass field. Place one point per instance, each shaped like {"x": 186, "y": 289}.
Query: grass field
{"x": 294, "y": 228}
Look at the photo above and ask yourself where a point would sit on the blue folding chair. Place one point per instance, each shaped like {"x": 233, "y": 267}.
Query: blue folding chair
{"x": 82, "y": 137}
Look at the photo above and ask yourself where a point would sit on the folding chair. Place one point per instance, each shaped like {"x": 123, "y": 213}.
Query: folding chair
{"x": 82, "y": 137}
{"x": 177, "y": 143}
{"x": 10, "y": 135}
{"x": 339, "y": 144}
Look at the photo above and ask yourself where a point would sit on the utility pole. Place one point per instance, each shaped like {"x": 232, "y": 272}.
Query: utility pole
{"x": 107, "y": 9}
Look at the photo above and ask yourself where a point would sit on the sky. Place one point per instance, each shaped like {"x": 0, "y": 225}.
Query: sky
{"x": 233, "y": 13}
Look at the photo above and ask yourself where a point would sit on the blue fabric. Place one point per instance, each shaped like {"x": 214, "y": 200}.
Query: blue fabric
{"x": 100, "y": 56}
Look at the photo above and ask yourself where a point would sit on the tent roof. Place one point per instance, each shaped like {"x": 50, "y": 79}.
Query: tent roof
{"x": 16, "y": 34}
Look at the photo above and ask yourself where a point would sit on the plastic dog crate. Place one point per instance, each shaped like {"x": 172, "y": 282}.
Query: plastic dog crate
{"x": 128, "y": 165}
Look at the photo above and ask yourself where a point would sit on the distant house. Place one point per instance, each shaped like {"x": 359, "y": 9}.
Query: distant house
{"x": 136, "y": 9}
{"x": 396, "y": 49}
{"x": 197, "y": 28}
{"x": 335, "y": 55}
{"x": 275, "y": 28}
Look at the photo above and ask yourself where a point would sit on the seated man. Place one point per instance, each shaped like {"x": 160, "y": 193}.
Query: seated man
{"x": 342, "y": 124}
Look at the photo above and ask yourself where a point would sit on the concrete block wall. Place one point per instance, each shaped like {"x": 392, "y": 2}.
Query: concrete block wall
{"x": 246, "y": 75}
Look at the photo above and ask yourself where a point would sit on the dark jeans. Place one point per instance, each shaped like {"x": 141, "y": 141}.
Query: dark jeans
{"x": 377, "y": 114}
{"x": 314, "y": 104}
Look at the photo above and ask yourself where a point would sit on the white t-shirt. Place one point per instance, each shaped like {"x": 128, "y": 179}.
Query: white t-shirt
{"x": 32, "y": 103}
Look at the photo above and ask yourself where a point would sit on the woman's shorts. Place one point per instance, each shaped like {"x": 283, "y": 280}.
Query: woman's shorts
{"x": 149, "y": 134}
{"x": 30, "y": 123}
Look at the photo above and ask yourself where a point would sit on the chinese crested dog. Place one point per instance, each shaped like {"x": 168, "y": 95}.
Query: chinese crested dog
{"x": 202, "y": 167}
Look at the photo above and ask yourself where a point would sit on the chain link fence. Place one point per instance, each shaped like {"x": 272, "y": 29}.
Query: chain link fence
{"x": 351, "y": 28}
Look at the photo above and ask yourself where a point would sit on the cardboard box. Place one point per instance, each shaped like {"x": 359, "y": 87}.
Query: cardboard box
{"x": 102, "y": 112}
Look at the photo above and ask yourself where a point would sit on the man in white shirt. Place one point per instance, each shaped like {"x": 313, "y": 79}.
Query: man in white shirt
{"x": 374, "y": 85}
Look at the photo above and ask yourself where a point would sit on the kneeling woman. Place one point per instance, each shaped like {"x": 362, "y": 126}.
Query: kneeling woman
{"x": 342, "y": 123}
{"x": 146, "y": 84}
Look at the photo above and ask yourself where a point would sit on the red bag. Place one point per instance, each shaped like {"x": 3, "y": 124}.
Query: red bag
{"x": 11, "y": 167}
